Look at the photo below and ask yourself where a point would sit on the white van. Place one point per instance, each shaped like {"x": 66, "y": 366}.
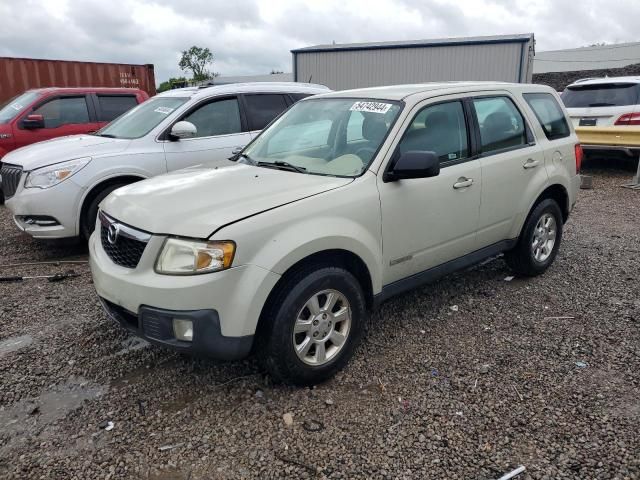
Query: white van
{"x": 53, "y": 188}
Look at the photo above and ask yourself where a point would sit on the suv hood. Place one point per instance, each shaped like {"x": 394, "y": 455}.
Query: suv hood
{"x": 196, "y": 202}
{"x": 64, "y": 148}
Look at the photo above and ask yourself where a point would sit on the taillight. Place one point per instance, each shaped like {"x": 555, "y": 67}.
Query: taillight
{"x": 579, "y": 157}
{"x": 629, "y": 119}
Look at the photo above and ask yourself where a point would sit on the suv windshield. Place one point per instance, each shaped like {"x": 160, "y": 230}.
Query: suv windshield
{"x": 16, "y": 105}
{"x": 332, "y": 136}
{"x": 142, "y": 119}
{"x": 601, "y": 95}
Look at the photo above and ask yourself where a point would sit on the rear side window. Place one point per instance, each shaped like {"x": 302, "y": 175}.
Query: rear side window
{"x": 261, "y": 109}
{"x": 601, "y": 95}
{"x": 64, "y": 111}
{"x": 220, "y": 117}
{"x": 501, "y": 124}
{"x": 112, "y": 106}
{"x": 549, "y": 114}
{"x": 439, "y": 128}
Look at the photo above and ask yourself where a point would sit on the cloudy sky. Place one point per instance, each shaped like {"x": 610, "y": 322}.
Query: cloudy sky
{"x": 255, "y": 36}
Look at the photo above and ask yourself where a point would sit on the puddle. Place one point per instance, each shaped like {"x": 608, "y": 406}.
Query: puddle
{"x": 14, "y": 343}
{"x": 52, "y": 405}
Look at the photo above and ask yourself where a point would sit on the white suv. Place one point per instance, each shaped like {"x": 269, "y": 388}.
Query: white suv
{"x": 53, "y": 188}
{"x": 345, "y": 200}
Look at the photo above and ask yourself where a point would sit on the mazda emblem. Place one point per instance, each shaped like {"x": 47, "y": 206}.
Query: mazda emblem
{"x": 112, "y": 233}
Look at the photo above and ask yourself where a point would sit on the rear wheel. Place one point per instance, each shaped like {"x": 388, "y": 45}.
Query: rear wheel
{"x": 539, "y": 241}
{"x": 317, "y": 320}
{"x": 88, "y": 222}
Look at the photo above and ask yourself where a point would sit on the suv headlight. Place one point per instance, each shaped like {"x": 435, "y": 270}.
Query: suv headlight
{"x": 191, "y": 257}
{"x": 51, "y": 175}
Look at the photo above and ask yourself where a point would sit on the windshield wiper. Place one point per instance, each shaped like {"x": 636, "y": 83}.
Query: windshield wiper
{"x": 282, "y": 165}
{"x": 105, "y": 135}
{"x": 602, "y": 104}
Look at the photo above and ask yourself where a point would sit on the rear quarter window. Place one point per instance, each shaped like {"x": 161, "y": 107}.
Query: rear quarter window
{"x": 549, "y": 115}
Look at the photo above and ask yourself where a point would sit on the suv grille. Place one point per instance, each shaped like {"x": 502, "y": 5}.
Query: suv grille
{"x": 10, "y": 179}
{"x": 124, "y": 245}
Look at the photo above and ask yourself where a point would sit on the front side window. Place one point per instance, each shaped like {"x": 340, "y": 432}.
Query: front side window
{"x": 261, "y": 109}
{"x": 17, "y": 105}
{"x": 332, "y": 136}
{"x": 501, "y": 124}
{"x": 549, "y": 114}
{"x": 63, "y": 111}
{"x": 112, "y": 106}
{"x": 139, "y": 121}
{"x": 601, "y": 95}
{"x": 440, "y": 129}
{"x": 220, "y": 117}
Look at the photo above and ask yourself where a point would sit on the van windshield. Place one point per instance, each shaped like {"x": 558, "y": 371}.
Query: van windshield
{"x": 333, "y": 136}
{"x": 139, "y": 121}
{"x": 601, "y": 95}
{"x": 16, "y": 106}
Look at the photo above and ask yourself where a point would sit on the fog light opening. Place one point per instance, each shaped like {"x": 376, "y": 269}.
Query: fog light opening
{"x": 183, "y": 329}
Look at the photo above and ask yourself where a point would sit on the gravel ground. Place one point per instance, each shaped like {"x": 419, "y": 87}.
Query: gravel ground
{"x": 540, "y": 372}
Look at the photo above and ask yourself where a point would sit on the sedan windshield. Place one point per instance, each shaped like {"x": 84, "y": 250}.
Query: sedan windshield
{"x": 139, "y": 121}
{"x": 16, "y": 105}
{"x": 333, "y": 136}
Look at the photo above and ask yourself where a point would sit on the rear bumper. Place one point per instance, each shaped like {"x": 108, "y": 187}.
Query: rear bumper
{"x": 156, "y": 326}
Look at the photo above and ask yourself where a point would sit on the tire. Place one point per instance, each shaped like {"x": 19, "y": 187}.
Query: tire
{"x": 88, "y": 222}
{"x": 290, "y": 307}
{"x": 533, "y": 253}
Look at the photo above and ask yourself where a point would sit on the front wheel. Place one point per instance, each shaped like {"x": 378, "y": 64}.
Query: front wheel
{"x": 539, "y": 241}
{"x": 88, "y": 222}
{"x": 317, "y": 320}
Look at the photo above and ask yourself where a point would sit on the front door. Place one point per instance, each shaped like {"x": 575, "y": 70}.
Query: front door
{"x": 219, "y": 134}
{"x": 429, "y": 221}
{"x": 65, "y": 115}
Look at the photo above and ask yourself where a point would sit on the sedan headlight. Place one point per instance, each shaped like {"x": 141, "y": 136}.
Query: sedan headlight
{"x": 46, "y": 177}
{"x": 190, "y": 257}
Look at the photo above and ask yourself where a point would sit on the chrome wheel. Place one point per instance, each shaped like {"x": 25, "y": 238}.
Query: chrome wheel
{"x": 544, "y": 237}
{"x": 322, "y": 327}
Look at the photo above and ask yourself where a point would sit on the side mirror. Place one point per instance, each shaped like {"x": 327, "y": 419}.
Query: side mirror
{"x": 415, "y": 164}
{"x": 183, "y": 130}
{"x": 32, "y": 122}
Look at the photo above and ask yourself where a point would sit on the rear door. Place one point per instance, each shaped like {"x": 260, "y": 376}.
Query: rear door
{"x": 512, "y": 163}
{"x": 262, "y": 108}
{"x": 601, "y": 104}
{"x": 62, "y": 114}
{"x": 110, "y": 106}
{"x": 221, "y": 131}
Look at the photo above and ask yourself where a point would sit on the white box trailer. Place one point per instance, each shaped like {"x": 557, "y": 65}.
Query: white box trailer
{"x": 507, "y": 58}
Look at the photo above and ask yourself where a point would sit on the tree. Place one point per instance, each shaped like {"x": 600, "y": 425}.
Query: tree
{"x": 172, "y": 83}
{"x": 196, "y": 60}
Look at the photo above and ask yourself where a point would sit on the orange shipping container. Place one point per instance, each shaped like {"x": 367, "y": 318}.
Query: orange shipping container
{"x": 20, "y": 74}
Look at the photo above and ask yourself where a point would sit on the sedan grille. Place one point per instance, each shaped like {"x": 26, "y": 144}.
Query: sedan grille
{"x": 10, "y": 179}
{"x": 122, "y": 244}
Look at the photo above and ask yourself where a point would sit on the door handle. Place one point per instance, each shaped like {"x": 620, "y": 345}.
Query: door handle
{"x": 531, "y": 163}
{"x": 463, "y": 182}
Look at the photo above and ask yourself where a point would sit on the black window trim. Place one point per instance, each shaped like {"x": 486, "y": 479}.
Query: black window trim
{"x": 96, "y": 102}
{"x": 530, "y": 136}
{"x": 554, "y": 138}
{"x": 471, "y": 141}
{"x": 164, "y": 136}
{"x": 245, "y": 106}
{"x": 44, "y": 100}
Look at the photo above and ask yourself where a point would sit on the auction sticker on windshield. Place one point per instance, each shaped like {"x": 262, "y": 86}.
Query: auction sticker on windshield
{"x": 373, "y": 107}
{"x": 16, "y": 106}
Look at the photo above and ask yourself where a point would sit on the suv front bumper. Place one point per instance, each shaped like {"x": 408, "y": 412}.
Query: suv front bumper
{"x": 224, "y": 307}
